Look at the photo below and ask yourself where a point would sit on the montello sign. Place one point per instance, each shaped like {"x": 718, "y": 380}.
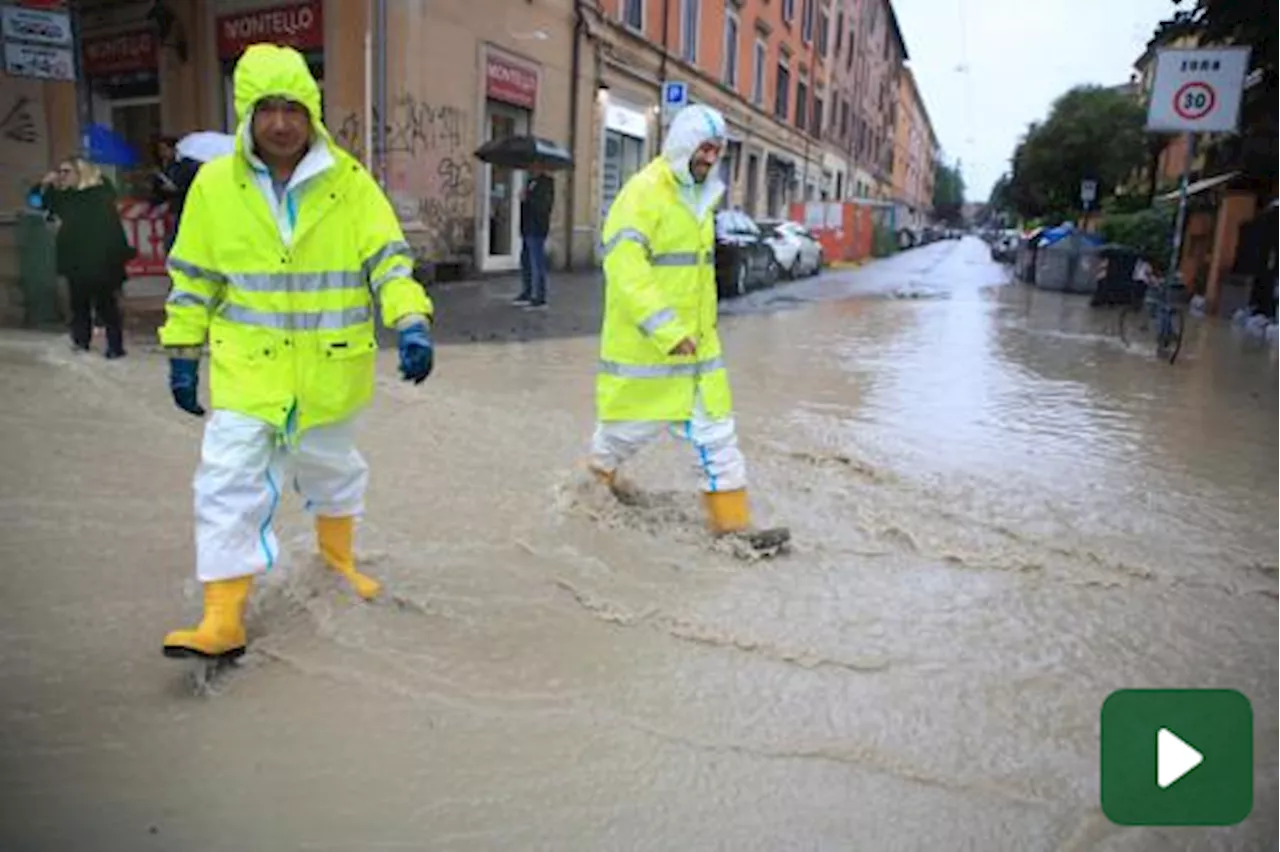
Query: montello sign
{"x": 300, "y": 25}
{"x": 120, "y": 54}
{"x": 511, "y": 83}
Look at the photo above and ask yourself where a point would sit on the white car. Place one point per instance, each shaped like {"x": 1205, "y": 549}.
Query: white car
{"x": 797, "y": 251}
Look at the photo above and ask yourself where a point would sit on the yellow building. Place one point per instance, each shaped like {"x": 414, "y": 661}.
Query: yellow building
{"x": 914, "y": 149}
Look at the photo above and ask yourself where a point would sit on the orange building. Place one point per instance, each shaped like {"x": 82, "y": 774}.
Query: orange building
{"x": 763, "y": 63}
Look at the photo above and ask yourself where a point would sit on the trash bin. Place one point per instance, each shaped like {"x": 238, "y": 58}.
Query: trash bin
{"x": 37, "y": 270}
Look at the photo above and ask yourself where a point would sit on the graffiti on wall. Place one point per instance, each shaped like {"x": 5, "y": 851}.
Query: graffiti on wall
{"x": 430, "y": 173}
{"x": 18, "y": 123}
{"x": 24, "y": 139}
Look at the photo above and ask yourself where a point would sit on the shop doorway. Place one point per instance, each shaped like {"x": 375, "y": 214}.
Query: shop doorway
{"x": 503, "y": 186}
{"x": 137, "y": 121}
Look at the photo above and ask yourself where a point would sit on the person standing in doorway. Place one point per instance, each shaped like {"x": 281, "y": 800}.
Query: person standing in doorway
{"x": 91, "y": 249}
{"x": 286, "y": 248}
{"x": 538, "y": 198}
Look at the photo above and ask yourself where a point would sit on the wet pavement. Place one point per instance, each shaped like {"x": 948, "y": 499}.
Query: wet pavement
{"x": 1001, "y": 515}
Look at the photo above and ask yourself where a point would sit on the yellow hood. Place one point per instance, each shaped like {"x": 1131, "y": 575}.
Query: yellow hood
{"x": 266, "y": 71}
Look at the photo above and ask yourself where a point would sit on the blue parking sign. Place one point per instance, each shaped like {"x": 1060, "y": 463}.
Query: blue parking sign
{"x": 675, "y": 94}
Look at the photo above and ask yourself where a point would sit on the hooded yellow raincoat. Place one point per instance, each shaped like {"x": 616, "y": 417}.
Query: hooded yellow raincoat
{"x": 289, "y": 321}
{"x": 659, "y": 265}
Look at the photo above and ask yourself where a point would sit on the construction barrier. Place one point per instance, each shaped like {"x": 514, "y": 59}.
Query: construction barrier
{"x": 146, "y": 228}
{"x": 844, "y": 228}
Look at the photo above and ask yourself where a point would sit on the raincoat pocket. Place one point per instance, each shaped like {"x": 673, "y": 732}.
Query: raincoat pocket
{"x": 251, "y": 371}
{"x": 340, "y": 380}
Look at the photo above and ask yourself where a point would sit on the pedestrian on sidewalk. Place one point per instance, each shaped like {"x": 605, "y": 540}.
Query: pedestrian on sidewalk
{"x": 91, "y": 249}
{"x": 536, "y": 202}
{"x": 171, "y": 182}
{"x": 284, "y": 249}
{"x": 661, "y": 365}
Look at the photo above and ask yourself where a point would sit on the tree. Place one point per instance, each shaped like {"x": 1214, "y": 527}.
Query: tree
{"x": 948, "y": 193}
{"x": 1092, "y": 133}
{"x": 1000, "y": 207}
{"x": 1243, "y": 22}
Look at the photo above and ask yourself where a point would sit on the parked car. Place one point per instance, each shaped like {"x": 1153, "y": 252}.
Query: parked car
{"x": 744, "y": 260}
{"x": 794, "y": 246}
{"x": 1005, "y": 247}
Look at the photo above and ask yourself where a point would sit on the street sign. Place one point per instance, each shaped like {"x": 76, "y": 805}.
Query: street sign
{"x": 1197, "y": 91}
{"x": 675, "y": 94}
{"x": 1088, "y": 191}
{"x": 36, "y": 26}
{"x": 675, "y": 97}
{"x": 42, "y": 63}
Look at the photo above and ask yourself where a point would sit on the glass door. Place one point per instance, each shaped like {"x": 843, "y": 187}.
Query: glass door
{"x": 502, "y": 196}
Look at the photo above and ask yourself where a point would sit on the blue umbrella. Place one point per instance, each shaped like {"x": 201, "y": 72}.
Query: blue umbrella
{"x": 107, "y": 148}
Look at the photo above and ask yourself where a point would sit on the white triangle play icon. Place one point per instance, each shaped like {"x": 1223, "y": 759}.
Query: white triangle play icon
{"x": 1174, "y": 758}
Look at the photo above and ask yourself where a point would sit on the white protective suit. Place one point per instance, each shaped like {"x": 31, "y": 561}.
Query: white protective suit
{"x": 246, "y": 464}
{"x": 715, "y": 441}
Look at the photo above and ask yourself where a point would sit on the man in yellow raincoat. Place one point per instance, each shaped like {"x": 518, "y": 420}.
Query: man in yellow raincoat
{"x": 660, "y": 360}
{"x": 285, "y": 249}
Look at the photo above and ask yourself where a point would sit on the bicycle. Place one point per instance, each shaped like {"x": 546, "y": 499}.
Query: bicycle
{"x": 1156, "y": 304}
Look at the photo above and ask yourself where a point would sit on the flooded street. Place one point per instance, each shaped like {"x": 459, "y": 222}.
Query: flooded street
{"x": 1001, "y": 515}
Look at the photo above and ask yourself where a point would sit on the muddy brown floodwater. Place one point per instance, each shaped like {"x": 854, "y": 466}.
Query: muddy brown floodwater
{"x": 1001, "y": 515}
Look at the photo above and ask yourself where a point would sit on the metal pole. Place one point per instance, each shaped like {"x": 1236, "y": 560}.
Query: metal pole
{"x": 1181, "y": 219}
{"x": 366, "y": 141}
{"x": 575, "y": 72}
{"x": 84, "y": 98}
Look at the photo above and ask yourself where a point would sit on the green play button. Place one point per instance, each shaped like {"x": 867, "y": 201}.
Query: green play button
{"x": 1177, "y": 757}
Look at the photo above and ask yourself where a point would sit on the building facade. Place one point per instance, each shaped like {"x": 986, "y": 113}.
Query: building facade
{"x": 760, "y": 62}
{"x": 915, "y": 147}
{"x": 412, "y": 87}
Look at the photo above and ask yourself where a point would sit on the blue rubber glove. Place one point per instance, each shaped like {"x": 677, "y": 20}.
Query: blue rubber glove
{"x": 417, "y": 355}
{"x": 184, "y": 381}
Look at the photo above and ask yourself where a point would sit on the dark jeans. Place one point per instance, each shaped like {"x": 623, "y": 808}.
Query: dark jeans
{"x": 90, "y": 296}
{"x": 533, "y": 268}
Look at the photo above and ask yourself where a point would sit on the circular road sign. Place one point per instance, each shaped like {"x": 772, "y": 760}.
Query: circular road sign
{"x": 1194, "y": 100}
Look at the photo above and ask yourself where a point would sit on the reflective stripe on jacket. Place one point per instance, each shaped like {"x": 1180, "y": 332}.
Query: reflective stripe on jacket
{"x": 660, "y": 287}
{"x": 289, "y": 325}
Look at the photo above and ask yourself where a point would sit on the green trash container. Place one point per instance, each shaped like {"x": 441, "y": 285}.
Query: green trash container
{"x": 37, "y": 270}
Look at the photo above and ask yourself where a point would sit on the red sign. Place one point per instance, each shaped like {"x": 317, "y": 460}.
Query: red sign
{"x": 1194, "y": 100}
{"x": 123, "y": 53}
{"x": 510, "y": 83}
{"x": 146, "y": 228}
{"x": 300, "y": 25}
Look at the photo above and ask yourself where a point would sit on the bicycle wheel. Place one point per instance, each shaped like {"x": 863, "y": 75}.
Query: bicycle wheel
{"x": 1169, "y": 341}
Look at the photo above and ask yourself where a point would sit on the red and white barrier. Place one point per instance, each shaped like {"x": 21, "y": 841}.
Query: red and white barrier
{"x": 146, "y": 228}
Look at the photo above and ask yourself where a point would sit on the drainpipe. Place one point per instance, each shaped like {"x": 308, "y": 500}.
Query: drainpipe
{"x": 575, "y": 71}
{"x": 366, "y": 139}
{"x": 380, "y": 90}
{"x": 662, "y": 68}
{"x": 84, "y": 102}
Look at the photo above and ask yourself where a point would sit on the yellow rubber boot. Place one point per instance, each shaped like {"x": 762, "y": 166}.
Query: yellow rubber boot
{"x": 220, "y": 633}
{"x": 337, "y": 546}
{"x": 607, "y": 478}
{"x": 727, "y": 511}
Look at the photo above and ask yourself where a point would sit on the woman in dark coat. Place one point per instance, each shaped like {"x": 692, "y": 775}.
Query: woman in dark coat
{"x": 91, "y": 249}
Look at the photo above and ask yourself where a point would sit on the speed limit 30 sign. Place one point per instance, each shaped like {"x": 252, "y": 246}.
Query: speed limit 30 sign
{"x": 1197, "y": 91}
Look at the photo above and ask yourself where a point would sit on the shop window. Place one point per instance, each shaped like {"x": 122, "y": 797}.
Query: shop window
{"x": 623, "y": 157}
{"x": 782, "y": 91}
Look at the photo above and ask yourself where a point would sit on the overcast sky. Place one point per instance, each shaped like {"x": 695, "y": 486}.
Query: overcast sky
{"x": 1020, "y": 56}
